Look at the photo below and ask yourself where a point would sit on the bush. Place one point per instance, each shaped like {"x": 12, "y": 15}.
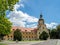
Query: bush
{"x": 17, "y": 35}
{"x": 53, "y": 34}
{"x": 43, "y": 36}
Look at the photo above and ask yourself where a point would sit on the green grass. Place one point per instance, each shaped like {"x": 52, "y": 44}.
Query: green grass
{"x": 2, "y": 44}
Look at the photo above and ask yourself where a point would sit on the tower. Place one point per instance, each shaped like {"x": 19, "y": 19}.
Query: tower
{"x": 41, "y": 26}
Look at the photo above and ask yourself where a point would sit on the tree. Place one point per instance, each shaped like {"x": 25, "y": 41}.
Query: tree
{"x": 53, "y": 34}
{"x": 58, "y": 27}
{"x": 58, "y": 31}
{"x": 6, "y": 5}
{"x": 43, "y": 36}
{"x": 5, "y": 24}
{"x": 17, "y": 35}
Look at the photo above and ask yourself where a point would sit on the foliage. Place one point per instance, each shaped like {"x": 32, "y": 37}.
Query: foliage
{"x": 6, "y": 5}
{"x": 17, "y": 35}
{"x": 58, "y": 27}
{"x": 43, "y": 36}
{"x": 5, "y": 26}
{"x": 53, "y": 34}
{"x": 58, "y": 31}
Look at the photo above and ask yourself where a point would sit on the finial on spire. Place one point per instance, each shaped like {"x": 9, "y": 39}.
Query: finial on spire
{"x": 41, "y": 15}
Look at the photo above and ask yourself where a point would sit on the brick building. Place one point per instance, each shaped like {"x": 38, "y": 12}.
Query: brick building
{"x": 29, "y": 33}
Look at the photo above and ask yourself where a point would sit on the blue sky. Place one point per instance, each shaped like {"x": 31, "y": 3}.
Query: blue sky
{"x": 49, "y": 8}
{"x": 31, "y": 10}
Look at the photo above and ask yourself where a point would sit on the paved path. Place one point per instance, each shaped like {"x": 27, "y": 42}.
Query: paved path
{"x": 48, "y": 42}
{"x": 58, "y": 42}
{"x": 21, "y": 43}
{"x": 24, "y": 43}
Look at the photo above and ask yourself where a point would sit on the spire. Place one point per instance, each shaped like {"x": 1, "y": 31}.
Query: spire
{"x": 41, "y": 16}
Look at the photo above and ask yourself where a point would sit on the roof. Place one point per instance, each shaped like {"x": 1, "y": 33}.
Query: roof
{"x": 23, "y": 29}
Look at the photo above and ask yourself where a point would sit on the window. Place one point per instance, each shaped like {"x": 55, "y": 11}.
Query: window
{"x": 13, "y": 29}
{"x": 8, "y": 36}
{"x": 29, "y": 36}
{"x": 32, "y": 36}
{"x": 29, "y": 32}
{"x": 26, "y": 32}
{"x": 23, "y": 36}
{"x": 23, "y": 32}
{"x": 43, "y": 27}
{"x": 39, "y": 32}
{"x": 26, "y": 36}
{"x": 32, "y": 33}
{"x": 11, "y": 36}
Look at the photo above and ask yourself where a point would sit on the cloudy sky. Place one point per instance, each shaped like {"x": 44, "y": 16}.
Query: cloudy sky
{"x": 26, "y": 13}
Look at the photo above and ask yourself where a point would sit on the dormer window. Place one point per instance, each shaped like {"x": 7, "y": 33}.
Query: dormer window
{"x": 13, "y": 29}
{"x": 25, "y": 30}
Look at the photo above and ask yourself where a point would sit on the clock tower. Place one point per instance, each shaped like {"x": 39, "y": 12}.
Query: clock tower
{"x": 41, "y": 26}
{"x": 41, "y": 20}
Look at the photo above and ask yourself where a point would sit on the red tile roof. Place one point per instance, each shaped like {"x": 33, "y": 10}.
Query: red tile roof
{"x": 24, "y": 29}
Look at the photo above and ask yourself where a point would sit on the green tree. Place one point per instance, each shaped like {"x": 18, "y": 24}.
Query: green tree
{"x": 58, "y": 27}
{"x": 58, "y": 32}
{"x": 5, "y": 24}
{"x": 6, "y": 5}
{"x": 17, "y": 35}
{"x": 43, "y": 36}
{"x": 53, "y": 34}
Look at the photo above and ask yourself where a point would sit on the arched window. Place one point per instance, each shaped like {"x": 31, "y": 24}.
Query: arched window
{"x": 13, "y": 29}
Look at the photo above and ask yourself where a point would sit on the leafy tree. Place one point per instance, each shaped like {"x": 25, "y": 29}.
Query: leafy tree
{"x": 58, "y": 27}
{"x": 53, "y": 34}
{"x": 43, "y": 36}
{"x": 6, "y": 5}
{"x": 17, "y": 35}
{"x": 5, "y": 24}
{"x": 58, "y": 31}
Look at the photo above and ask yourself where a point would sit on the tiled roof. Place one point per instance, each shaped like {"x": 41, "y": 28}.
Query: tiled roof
{"x": 24, "y": 29}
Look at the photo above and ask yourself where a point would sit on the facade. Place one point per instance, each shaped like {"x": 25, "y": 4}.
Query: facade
{"x": 41, "y": 26}
{"x": 29, "y": 33}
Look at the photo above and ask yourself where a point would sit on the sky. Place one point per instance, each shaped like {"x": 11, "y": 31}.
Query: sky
{"x": 26, "y": 13}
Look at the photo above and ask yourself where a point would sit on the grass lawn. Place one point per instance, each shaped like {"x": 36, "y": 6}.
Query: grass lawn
{"x": 2, "y": 44}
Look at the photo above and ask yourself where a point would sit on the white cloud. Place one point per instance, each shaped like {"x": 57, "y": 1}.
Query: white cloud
{"x": 22, "y": 5}
{"x": 51, "y": 25}
{"x": 19, "y": 18}
{"x": 32, "y": 26}
{"x": 17, "y": 6}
